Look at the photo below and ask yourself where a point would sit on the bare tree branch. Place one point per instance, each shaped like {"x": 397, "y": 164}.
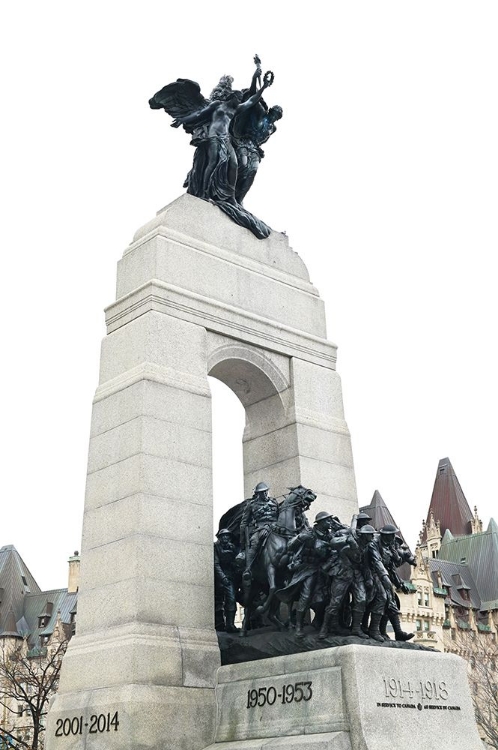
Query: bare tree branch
{"x": 29, "y": 681}
{"x": 481, "y": 652}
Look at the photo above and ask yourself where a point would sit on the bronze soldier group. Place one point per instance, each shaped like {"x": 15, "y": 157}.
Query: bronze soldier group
{"x": 341, "y": 577}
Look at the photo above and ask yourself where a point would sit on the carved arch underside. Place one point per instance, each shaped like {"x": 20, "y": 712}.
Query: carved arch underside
{"x": 251, "y": 374}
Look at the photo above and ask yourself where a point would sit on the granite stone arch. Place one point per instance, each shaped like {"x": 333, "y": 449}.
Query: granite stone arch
{"x": 196, "y": 295}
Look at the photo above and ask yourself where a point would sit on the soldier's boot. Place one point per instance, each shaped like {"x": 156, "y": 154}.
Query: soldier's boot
{"x": 250, "y": 555}
{"x": 299, "y": 624}
{"x": 364, "y": 621}
{"x": 356, "y": 628}
{"x": 230, "y": 625}
{"x": 324, "y": 630}
{"x": 336, "y": 628}
{"x": 399, "y": 633}
{"x": 333, "y": 626}
{"x": 373, "y": 630}
{"x": 383, "y": 627}
{"x": 219, "y": 622}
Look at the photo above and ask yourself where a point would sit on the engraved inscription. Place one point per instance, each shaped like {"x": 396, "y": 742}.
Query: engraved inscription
{"x": 420, "y": 690}
{"x": 98, "y": 723}
{"x": 268, "y": 696}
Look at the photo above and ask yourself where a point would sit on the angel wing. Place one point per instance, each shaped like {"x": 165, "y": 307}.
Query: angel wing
{"x": 179, "y": 99}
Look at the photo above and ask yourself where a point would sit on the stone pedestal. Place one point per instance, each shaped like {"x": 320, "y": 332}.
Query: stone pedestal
{"x": 346, "y": 698}
{"x": 196, "y": 295}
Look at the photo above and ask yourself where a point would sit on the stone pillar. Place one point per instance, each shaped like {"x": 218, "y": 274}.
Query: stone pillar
{"x": 196, "y": 295}
{"x": 300, "y": 436}
{"x": 145, "y": 647}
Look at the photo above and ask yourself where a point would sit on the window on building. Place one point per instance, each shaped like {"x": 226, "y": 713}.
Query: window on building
{"x": 419, "y": 597}
{"x": 434, "y": 552}
{"x": 426, "y": 626}
{"x": 20, "y": 709}
{"x": 426, "y": 598}
{"x": 419, "y": 625}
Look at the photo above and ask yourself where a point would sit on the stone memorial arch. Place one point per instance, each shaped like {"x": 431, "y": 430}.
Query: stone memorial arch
{"x": 196, "y": 296}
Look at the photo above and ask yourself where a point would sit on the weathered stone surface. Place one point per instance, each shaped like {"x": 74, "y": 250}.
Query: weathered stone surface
{"x": 380, "y": 697}
{"x": 313, "y": 703}
{"x": 161, "y": 516}
{"x": 200, "y": 221}
{"x": 325, "y": 741}
{"x": 149, "y": 716}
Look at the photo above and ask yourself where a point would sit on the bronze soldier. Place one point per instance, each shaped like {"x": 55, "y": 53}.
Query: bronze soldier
{"x": 311, "y": 548}
{"x": 359, "y": 520}
{"x": 260, "y": 512}
{"x": 382, "y": 599}
{"x": 350, "y": 573}
{"x": 393, "y": 555}
{"x": 225, "y": 575}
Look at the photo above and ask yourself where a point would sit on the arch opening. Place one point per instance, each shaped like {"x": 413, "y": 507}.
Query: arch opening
{"x": 228, "y": 419}
{"x": 268, "y": 440}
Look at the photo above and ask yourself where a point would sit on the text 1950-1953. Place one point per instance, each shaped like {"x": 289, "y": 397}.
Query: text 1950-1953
{"x": 268, "y": 696}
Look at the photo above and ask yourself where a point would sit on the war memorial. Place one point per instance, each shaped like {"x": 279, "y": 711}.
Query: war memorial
{"x": 207, "y": 289}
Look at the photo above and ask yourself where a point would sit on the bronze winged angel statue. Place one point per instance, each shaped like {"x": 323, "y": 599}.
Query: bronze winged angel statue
{"x": 227, "y": 131}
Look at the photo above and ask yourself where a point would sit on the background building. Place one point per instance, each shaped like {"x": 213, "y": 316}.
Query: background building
{"x": 452, "y": 605}
{"x": 35, "y": 627}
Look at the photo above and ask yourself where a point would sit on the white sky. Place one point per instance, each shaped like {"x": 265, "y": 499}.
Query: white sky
{"x": 383, "y": 173}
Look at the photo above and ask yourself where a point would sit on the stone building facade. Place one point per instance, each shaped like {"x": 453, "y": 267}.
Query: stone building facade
{"x": 452, "y": 605}
{"x": 35, "y": 625}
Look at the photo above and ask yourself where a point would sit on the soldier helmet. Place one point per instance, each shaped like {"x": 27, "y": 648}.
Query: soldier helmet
{"x": 362, "y": 516}
{"x": 261, "y": 487}
{"x": 223, "y": 531}
{"x": 367, "y": 529}
{"x": 322, "y": 516}
{"x": 388, "y": 529}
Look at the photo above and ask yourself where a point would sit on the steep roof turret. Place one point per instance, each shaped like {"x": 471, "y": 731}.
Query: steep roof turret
{"x": 378, "y": 511}
{"x": 448, "y": 504}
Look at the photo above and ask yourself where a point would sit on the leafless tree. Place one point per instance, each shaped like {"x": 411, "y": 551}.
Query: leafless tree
{"x": 27, "y": 683}
{"x": 481, "y": 652}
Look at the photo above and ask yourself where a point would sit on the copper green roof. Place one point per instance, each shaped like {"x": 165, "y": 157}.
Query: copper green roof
{"x": 23, "y": 603}
{"x": 439, "y": 591}
{"x": 457, "y": 579}
{"x": 480, "y": 553}
{"x": 16, "y": 582}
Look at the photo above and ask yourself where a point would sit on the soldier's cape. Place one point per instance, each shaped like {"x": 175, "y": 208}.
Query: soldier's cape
{"x": 232, "y": 518}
